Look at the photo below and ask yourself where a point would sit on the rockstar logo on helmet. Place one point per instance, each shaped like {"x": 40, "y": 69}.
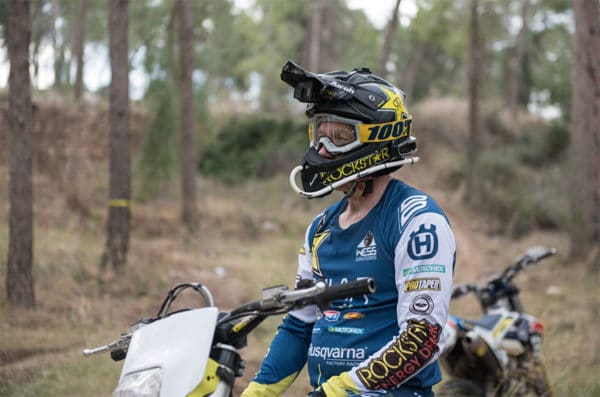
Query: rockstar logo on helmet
{"x": 358, "y": 165}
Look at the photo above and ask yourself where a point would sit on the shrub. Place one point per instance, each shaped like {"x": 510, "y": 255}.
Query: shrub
{"x": 517, "y": 195}
{"x": 254, "y": 146}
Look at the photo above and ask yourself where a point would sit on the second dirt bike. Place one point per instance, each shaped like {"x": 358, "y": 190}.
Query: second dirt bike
{"x": 501, "y": 353}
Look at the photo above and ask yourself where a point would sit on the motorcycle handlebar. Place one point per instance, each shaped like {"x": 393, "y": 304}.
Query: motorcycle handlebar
{"x": 275, "y": 300}
{"x": 121, "y": 343}
{"x": 318, "y": 293}
{"x": 347, "y": 290}
{"x": 532, "y": 256}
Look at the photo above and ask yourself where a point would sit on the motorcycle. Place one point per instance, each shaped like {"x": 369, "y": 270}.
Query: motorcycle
{"x": 195, "y": 351}
{"x": 499, "y": 354}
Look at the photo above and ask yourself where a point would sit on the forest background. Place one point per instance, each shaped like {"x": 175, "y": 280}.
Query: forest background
{"x": 493, "y": 89}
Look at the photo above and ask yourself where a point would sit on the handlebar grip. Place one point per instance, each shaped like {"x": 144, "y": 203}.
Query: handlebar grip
{"x": 535, "y": 254}
{"x": 349, "y": 289}
{"x": 462, "y": 289}
{"x": 549, "y": 252}
{"x": 457, "y": 293}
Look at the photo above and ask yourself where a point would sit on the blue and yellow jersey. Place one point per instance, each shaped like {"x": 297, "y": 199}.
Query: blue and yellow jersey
{"x": 390, "y": 338}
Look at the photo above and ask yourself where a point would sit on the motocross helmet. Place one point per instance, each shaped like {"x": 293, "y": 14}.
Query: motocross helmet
{"x": 359, "y": 118}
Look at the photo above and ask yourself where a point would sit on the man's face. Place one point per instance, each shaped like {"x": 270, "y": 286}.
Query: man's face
{"x": 337, "y": 134}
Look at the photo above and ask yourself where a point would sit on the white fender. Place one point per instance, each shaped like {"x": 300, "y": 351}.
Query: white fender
{"x": 179, "y": 345}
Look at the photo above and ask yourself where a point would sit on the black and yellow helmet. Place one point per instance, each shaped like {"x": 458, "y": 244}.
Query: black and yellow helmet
{"x": 376, "y": 137}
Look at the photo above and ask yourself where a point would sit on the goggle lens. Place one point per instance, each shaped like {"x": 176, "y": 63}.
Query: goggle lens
{"x": 337, "y": 134}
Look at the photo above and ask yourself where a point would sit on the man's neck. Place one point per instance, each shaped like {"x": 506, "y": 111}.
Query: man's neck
{"x": 360, "y": 204}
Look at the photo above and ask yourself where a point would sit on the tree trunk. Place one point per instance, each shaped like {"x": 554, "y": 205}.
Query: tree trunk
{"x": 515, "y": 65}
{"x": 474, "y": 86}
{"x": 58, "y": 56}
{"x": 585, "y": 139}
{"x": 409, "y": 75}
{"x": 19, "y": 275}
{"x": 316, "y": 11}
{"x": 189, "y": 212}
{"x": 36, "y": 38}
{"x": 386, "y": 49}
{"x": 117, "y": 228}
{"x": 78, "y": 48}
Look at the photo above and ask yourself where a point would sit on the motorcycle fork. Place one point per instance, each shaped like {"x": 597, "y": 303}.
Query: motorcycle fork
{"x": 224, "y": 365}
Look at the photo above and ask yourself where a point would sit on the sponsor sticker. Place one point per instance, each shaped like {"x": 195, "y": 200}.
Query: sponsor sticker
{"x": 422, "y": 284}
{"x": 346, "y": 330}
{"x": 342, "y": 87}
{"x": 424, "y": 269}
{"x": 331, "y": 315}
{"x": 410, "y": 351}
{"x": 338, "y": 356}
{"x": 367, "y": 248}
{"x": 358, "y": 165}
{"x": 421, "y": 304}
{"x": 353, "y": 316}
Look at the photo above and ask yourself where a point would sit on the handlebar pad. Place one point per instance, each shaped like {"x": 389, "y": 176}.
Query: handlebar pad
{"x": 349, "y": 289}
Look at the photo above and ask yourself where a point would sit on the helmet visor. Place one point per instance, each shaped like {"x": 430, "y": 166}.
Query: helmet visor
{"x": 337, "y": 134}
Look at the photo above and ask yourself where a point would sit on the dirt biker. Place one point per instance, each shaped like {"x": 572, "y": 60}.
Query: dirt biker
{"x": 386, "y": 343}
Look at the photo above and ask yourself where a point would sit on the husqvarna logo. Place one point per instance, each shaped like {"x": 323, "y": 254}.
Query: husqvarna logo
{"x": 423, "y": 243}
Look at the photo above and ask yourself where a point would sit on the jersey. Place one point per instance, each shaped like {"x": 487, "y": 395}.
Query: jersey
{"x": 378, "y": 341}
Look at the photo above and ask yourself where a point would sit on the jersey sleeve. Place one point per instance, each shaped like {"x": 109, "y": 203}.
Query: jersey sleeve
{"x": 284, "y": 360}
{"x": 423, "y": 259}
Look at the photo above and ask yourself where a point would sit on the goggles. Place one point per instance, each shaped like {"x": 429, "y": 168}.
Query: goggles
{"x": 341, "y": 135}
{"x": 337, "y": 134}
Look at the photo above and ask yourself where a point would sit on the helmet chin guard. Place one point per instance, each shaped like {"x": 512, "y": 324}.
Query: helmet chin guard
{"x": 326, "y": 189}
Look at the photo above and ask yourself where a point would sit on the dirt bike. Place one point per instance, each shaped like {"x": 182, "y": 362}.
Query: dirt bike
{"x": 499, "y": 354}
{"x": 195, "y": 351}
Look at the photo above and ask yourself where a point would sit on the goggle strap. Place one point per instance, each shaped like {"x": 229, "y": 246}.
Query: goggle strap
{"x": 329, "y": 188}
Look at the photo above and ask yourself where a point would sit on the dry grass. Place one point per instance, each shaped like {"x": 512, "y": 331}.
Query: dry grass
{"x": 248, "y": 239}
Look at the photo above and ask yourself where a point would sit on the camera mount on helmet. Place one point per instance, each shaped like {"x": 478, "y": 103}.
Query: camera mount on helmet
{"x": 334, "y": 89}
{"x": 311, "y": 87}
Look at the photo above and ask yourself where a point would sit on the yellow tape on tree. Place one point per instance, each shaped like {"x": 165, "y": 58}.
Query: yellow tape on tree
{"x": 119, "y": 203}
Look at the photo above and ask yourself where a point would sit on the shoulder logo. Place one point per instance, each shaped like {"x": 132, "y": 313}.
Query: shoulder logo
{"x": 366, "y": 250}
{"x": 423, "y": 243}
{"x": 411, "y": 206}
